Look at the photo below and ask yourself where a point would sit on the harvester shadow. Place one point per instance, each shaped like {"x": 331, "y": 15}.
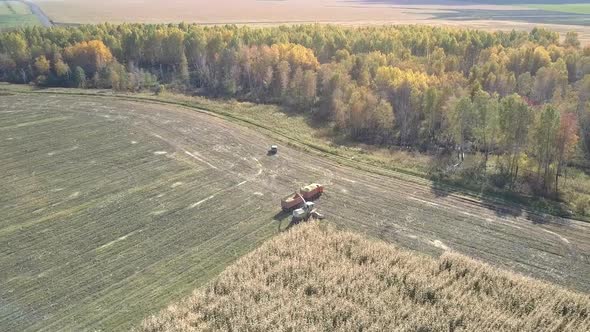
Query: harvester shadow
{"x": 282, "y": 217}
{"x": 293, "y": 223}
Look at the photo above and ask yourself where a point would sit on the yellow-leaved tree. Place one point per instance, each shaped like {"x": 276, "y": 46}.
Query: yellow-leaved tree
{"x": 91, "y": 56}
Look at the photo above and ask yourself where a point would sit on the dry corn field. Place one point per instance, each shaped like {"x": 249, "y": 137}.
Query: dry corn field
{"x": 314, "y": 278}
{"x": 113, "y": 208}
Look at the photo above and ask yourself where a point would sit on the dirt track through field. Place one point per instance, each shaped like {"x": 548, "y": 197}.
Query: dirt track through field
{"x": 212, "y": 193}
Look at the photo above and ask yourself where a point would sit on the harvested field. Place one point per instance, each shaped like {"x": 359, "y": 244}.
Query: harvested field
{"x": 315, "y": 279}
{"x": 101, "y": 214}
{"x": 114, "y": 208}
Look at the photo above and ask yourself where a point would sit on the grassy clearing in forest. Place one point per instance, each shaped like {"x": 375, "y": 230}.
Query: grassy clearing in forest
{"x": 314, "y": 278}
{"x": 15, "y": 14}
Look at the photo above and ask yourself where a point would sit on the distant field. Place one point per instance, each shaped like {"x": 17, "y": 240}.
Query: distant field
{"x": 13, "y": 8}
{"x": 15, "y": 14}
{"x": 527, "y": 17}
{"x": 315, "y": 278}
{"x": 576, "y": 8}
{"x": 225, "y": 11}
{"x": 354, "y": 12}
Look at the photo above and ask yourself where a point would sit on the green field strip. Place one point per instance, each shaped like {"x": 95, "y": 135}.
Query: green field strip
{"x": 573, "y": 8}
{"x": 8, "y": 7}
{"x": 12, "y": 21}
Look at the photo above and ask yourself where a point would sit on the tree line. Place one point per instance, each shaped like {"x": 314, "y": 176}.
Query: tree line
{"x": 519, "y": 101}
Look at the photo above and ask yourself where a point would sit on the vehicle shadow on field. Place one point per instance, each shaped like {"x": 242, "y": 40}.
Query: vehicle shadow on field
{"x": 284, "y": 221}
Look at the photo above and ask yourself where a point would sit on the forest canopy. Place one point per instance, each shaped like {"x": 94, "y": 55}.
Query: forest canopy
{"x": 519, "y": 99}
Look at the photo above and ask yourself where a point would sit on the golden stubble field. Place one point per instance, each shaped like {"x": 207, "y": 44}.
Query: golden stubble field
{"x": 260, "y": 12}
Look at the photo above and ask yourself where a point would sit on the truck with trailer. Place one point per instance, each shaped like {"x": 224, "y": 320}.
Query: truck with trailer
{"x": 297, "y": 200}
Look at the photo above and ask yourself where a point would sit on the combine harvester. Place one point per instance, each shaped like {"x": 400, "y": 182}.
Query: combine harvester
{"x": 301, "y": 203}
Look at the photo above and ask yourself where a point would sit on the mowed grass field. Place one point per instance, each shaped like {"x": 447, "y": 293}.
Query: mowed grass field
{"x": 15, "y": 14}
{"x": 115, "y": 206}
